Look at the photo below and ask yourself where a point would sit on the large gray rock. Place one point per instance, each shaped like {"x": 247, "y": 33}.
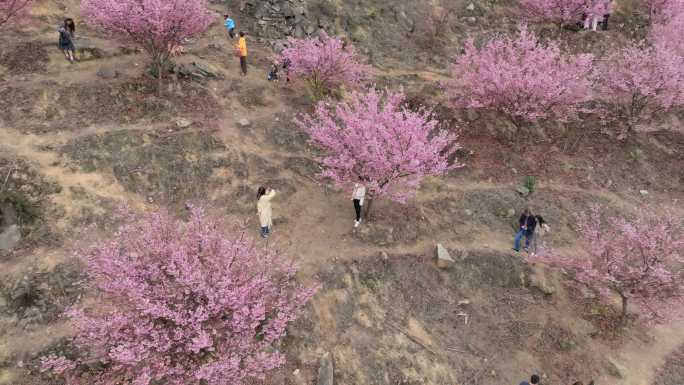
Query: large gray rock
{"x": 9, "y": 238}
{"x": 616, "y": 369}
{"x": 107, "y": 73}
{"x": 325, "y": 371}
{"x": 444, "y": 259}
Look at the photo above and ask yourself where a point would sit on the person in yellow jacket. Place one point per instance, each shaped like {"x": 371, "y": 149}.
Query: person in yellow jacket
{"x": 242, "y": 52}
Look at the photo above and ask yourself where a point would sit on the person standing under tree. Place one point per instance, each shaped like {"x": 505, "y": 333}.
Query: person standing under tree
{"x": 528, "y": 222}
{"x": 230, "y": 26}
{"x": 66, "y": 38}
{"x": 358, "y": 196}
{"x": 264, "y": 210}
{"x": 242, "y": 52}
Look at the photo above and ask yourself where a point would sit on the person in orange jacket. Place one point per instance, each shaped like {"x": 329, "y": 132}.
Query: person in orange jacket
{"x": 242, "y": 52}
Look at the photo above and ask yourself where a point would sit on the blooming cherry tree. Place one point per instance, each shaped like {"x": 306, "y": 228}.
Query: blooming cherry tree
{"x": 559, "y": 12}
{"x": 638, "y": 82}
{"x": 324, "y": 62}
{"x": 12, "y": 8}
{"x": 520, "y": 77}
{"x": 639, "y": 260}
{"x": 375, "y": 136}
{"x": 181, "y": 303}
{"x": 158, "y": 26}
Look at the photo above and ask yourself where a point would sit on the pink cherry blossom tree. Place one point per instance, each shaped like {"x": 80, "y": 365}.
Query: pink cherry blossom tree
{"x": 158, "y": 26}
{"x": 638, "y": 83}
{"x": 559, "y": 12}
{"x": 638, "y": 260}
{"x": 376, "y": 137}
{"x": 324, "y": 62}
{"x": 10, "y": 9}
{"x": 521, "y": 77}
{"x": 181, "y": 303}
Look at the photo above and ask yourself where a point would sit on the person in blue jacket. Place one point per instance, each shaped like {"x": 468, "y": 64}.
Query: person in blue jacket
{"x": 230, "y": 26}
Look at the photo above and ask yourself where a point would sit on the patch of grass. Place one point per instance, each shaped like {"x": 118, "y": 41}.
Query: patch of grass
{"x": 27, "y": 212}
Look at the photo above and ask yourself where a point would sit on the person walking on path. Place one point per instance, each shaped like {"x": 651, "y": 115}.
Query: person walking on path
{"x": 527, "y": 225}
{"x": 542, "y": 229}
{"x": 230, "y": 26}
{"x": 534, "y": 380}
{"x": 358, "y": 196}
{"x": 242, "y": 52}
{"x": 66, "y": 38}
{"x": 264, "y": 210}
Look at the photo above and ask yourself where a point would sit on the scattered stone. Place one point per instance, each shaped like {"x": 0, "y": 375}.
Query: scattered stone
{"x": 468, "y": 212}
{"x": 384, "y": 256}
{"x": 524, "y": 191}
{"x": 471, "y": 7}
{"x": 616, "y": 369}
{"x": 244, "y": 123}
{"x": 183, "y": 123}
{"x": 444, "y": 259}
{"x": 325, "y": 371}
{"x": 643, "y": 192}
{"x": 463, "y": 302}
{"x": 9, "y": 238}
{"x": 510, "y": 213}
{"x": 107, "y": 73}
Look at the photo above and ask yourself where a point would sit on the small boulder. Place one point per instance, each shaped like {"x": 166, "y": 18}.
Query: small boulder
{"x": 183, "y": 123}
{"x": 107, "y": 73}
{"x": 9, "y": 238}
{"x": 470, "y": 7}
{"x": 244, "y": 123}
{"x": 510, "y": 213}
{"x": 643, "y": 192}
{"x": 616, "y": 369}
{"x": 325, "y": 370}
{"x": 444, "y": 259}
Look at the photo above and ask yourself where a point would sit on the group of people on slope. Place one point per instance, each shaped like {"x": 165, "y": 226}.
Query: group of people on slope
{"x": 531, "y": 227}
{"x": 601, "y": 13}
{"x": 241, "y": 48}
{"x": 535, "y": 380}
{"x": 265, "y": 210}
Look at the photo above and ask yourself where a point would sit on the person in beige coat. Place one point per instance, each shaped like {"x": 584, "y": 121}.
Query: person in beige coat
{"x": 264, "y": 210}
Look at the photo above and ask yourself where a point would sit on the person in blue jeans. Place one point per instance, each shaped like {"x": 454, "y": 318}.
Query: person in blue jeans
{"x": 528, "y": 223}
{"x": 230, "y": 26}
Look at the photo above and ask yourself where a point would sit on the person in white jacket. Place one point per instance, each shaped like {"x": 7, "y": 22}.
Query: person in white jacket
{"x": 264, "y": 210}
{"x": 358, "y": 196}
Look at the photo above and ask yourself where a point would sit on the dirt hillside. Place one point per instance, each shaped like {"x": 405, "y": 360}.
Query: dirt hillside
{"x": 77, "y": 140}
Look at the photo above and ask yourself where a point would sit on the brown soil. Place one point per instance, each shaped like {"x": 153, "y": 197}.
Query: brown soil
{"x": 75, "y": 146}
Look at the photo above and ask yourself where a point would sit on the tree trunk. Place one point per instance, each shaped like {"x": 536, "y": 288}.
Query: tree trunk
{"x": 367, "y": 208}
{"x": 623, "y": 315}
{"x": 160, "y": 66}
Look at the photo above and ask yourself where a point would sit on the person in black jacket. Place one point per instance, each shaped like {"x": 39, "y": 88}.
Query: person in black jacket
{"x": 528, "y": 223}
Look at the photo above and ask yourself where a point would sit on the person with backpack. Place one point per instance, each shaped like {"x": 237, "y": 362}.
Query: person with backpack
{"x": 67, "y": 32}
{"x": 273, "y": 73}
{"x": 264, "y": 210}
{"x": 542, "y": 229}
{"x": 358, "y": 195}
{"x": 230, "y": 26}
{"x": 534, "y": 380}
{"x": 527, "y": 222}
{"x": 242, "y": 52}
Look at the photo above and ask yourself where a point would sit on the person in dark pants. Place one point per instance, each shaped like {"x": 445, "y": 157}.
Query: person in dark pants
{"x": 528, "y": 222}
{"x": 604, "y": 23}
{"x": 230, "y": 26}
{"x": 358, "y": 196}
{"x": 66, "y": 38}
{"x": 242, "y": 52}
{"x": 534, "y": 380}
